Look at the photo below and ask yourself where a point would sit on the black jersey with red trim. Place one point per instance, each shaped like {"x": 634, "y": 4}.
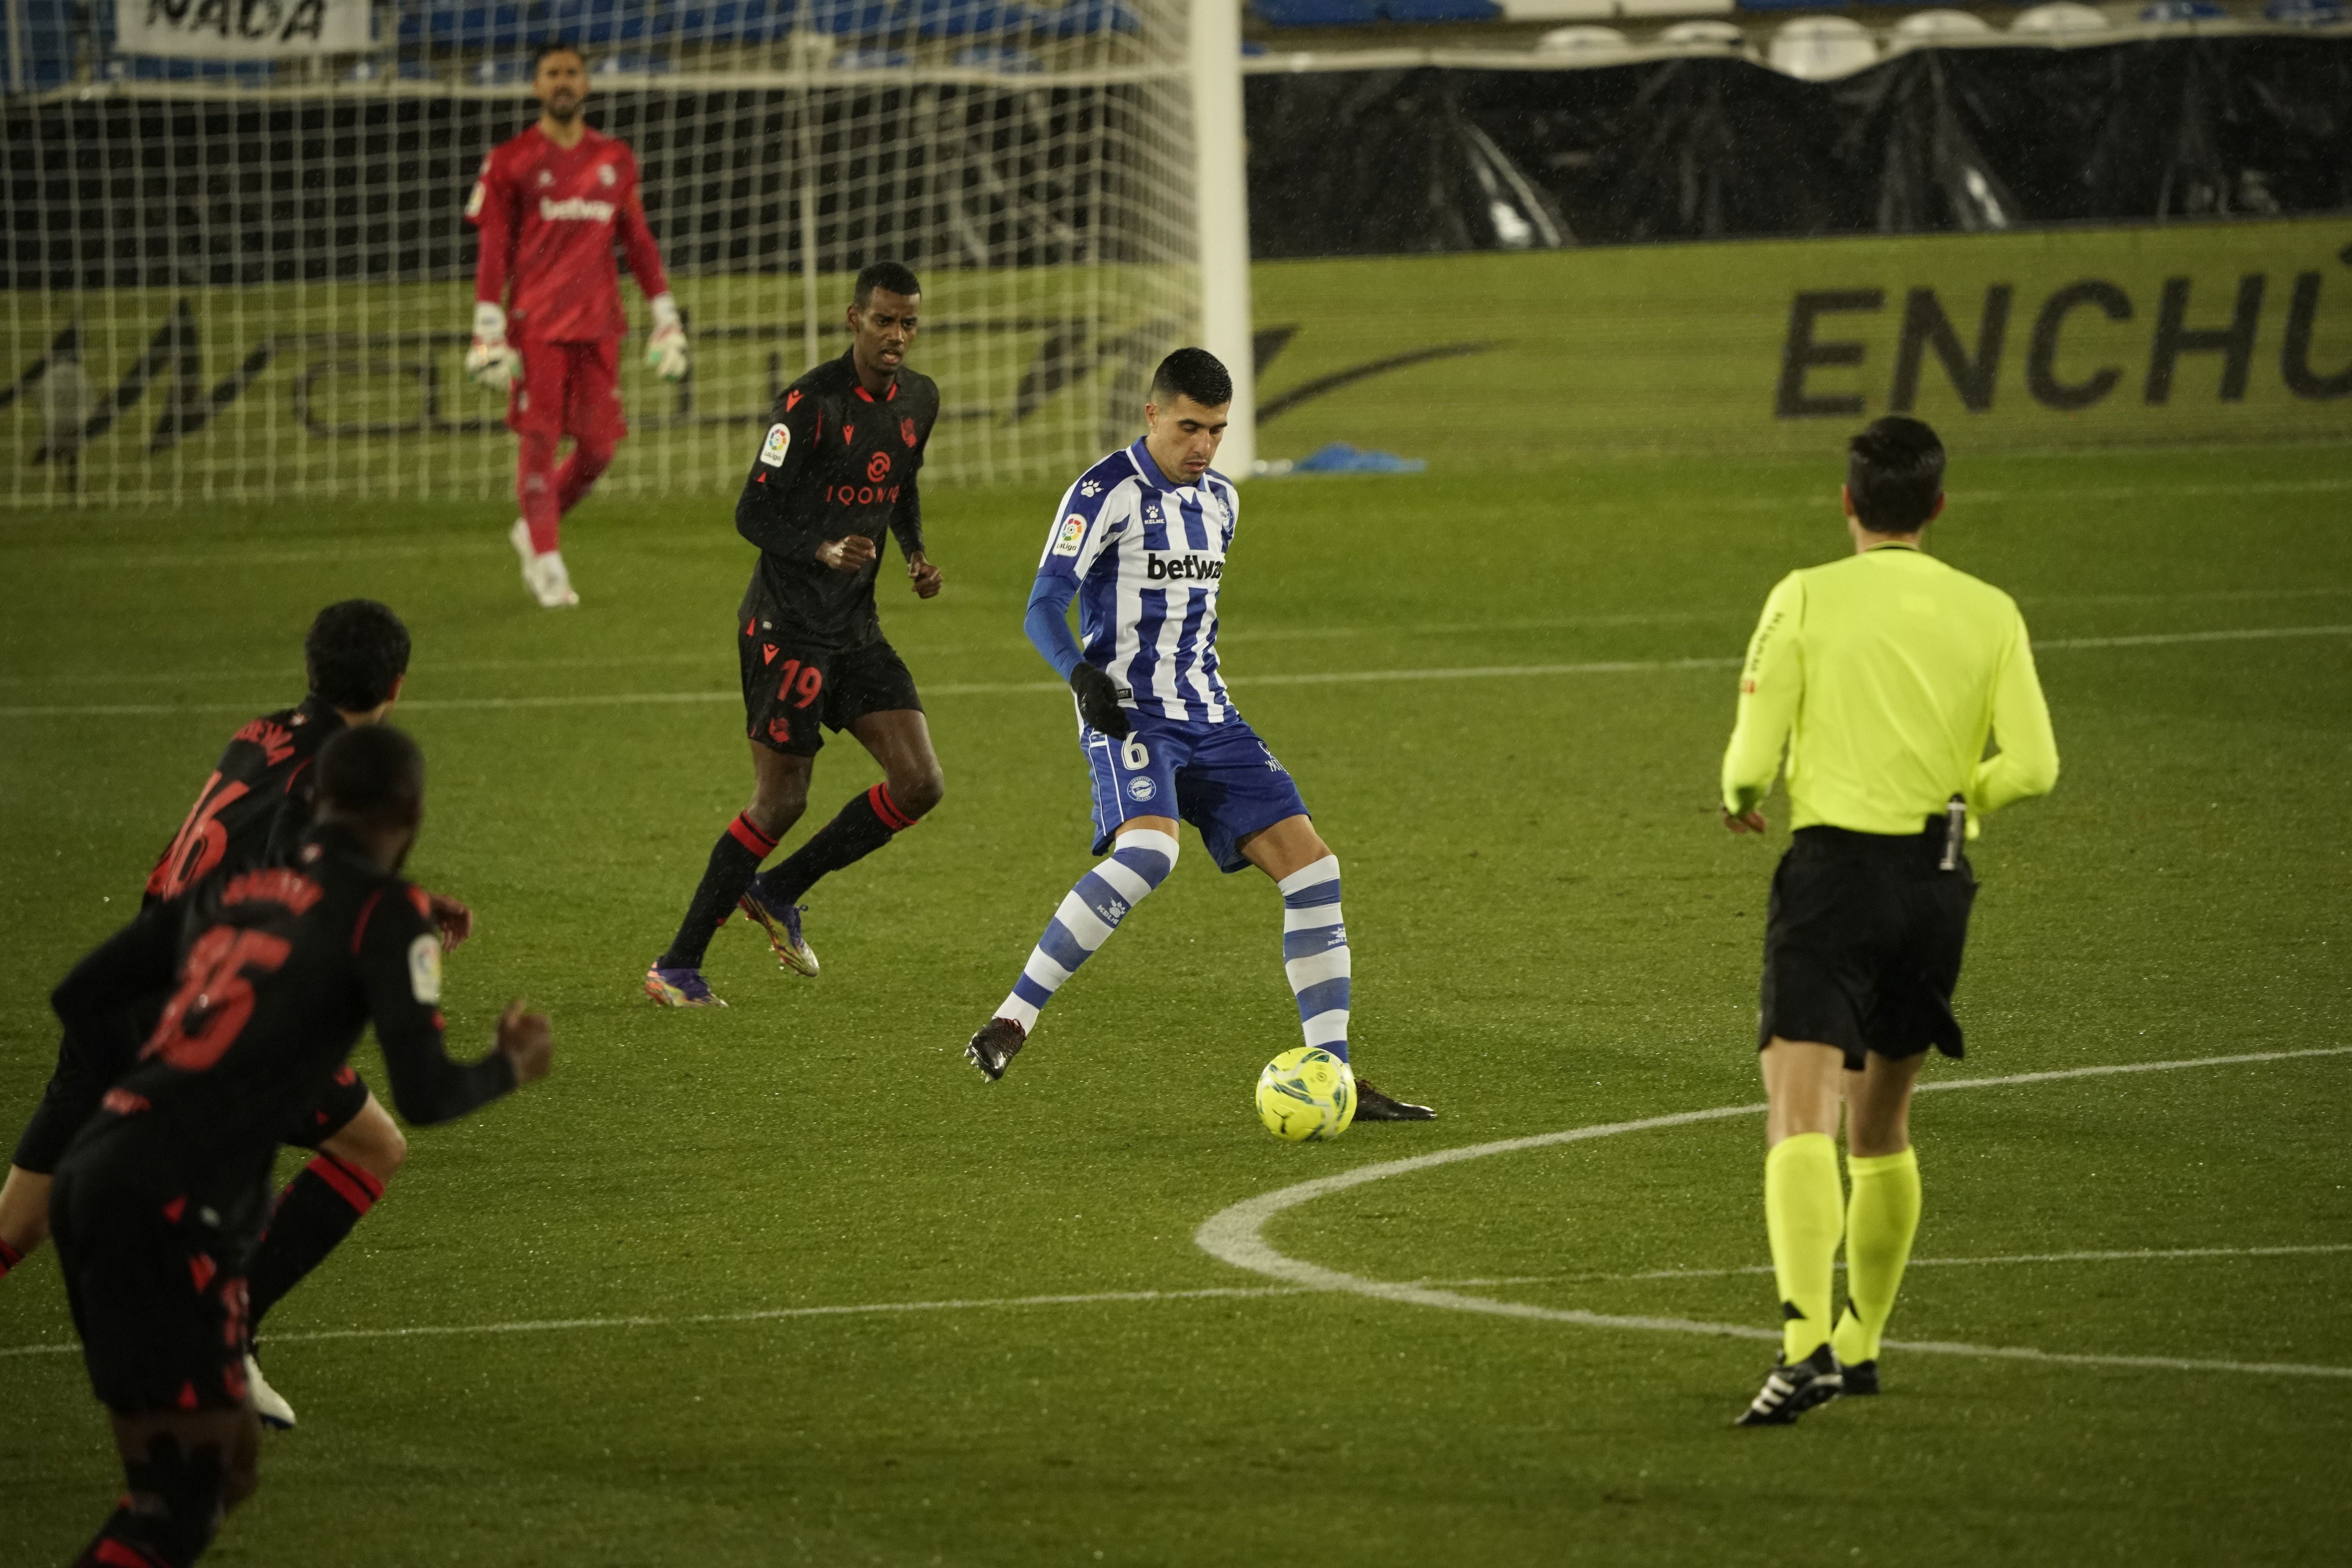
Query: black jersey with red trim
{"x": 271, "y": 974}
{"x": 256, "y": 807}
{"x": 836, "y": 460}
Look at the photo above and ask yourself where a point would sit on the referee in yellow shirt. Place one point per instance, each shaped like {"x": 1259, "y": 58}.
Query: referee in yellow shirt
{"x": 1883, "y": 674}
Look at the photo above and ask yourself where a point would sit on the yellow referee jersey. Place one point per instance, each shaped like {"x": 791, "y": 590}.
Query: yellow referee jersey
{"x": 1885, "y": 673}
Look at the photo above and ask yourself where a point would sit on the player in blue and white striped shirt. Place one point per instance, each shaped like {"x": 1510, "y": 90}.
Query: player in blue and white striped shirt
{"x": 1140, "y": 541}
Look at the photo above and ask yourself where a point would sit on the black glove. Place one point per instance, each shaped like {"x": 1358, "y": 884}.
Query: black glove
{"x": 1098, "y": 700}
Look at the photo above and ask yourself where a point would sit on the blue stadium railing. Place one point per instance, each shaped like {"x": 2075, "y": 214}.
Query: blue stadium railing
{"x": 518, "y": 24}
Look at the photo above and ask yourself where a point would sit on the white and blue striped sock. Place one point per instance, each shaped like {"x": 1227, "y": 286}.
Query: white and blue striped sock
{"x": 1089, "y": 913}
{"x": 1315, "y": 953}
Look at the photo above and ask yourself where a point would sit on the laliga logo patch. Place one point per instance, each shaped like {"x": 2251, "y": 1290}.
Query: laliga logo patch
{"x": 906, "y": 431}
{"x": 779, "y": 442}
{"x": 1140, "y": 789}
{"x": 604, "y": 175}
{"x": 1073, "y": 534}
{"x": 474, "y": 202}
{"x": 425, "y": 969}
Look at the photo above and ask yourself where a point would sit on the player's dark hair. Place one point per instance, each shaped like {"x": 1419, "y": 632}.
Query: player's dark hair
{"x": 557, "y": 47}
{"x": 1894, "y": 472}
{"x": 890, "y": 276}
{"x": 355, "y": 652}
{"x": 1195, "y": 373}
{"x": 371, "y": 773}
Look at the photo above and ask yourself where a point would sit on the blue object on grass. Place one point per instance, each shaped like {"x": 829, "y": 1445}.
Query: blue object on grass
{"x": 1339, "y": 458}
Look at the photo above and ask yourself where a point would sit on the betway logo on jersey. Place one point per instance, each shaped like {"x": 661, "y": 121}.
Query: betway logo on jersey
{"x": 1192, "y": 566}
{"x": 576, "y": 209}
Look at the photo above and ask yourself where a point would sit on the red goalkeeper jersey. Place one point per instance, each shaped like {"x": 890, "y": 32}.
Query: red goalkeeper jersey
{"x": 548, "y": 217}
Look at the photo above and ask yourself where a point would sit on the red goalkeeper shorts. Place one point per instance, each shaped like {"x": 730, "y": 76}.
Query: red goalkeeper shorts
{"x": 568, "y": 389}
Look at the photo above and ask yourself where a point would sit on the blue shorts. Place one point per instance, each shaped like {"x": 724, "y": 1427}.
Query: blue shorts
{"x": 1219, "y": 777}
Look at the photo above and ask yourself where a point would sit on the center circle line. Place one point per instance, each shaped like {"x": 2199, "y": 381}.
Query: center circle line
{"x": 1235, "y": 1235}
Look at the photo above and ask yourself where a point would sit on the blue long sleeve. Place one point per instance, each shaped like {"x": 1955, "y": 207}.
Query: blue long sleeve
{"x": 1047, "y": 622}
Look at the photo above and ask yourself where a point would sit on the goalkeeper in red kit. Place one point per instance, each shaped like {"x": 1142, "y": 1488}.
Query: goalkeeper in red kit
{"x": 547, "y": 305}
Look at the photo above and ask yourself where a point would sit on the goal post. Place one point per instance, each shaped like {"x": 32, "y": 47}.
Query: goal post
{"x": 242, "y": 281}
{"x": 1220, "y": 198}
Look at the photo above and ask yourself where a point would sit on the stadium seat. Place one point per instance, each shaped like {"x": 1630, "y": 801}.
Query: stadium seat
{"x": 48, "y": 46}
{"x": 1583, "y": 39}
{"x": 1942, "y": 24}
{"x": 373, "y": 67}
{"x": 725, "y": 22}
{"x": 847, "y": 19}
{"x": 504, "y": 26}
{"x": 1315, "y": 13}
{"x": 1441, "y": 10}
{"x": 146, "y": 68}
{"x": 1702, "y": 34}
{"x": 500, "y": 70}
{"x": 631, "y": 63}
{"x": 599, "y": 24}
{"x": 2306, "y": 13}
{"x": 1791, "y": 5}
{"x": 2173, "y": 13}
{"x": 1645, "y": 10}
{"x": 1818, "y": 49}
{"x": 1558, "y": 10}
{"x": 2059, "y": 16}
{"x": 964, "y": 18}
{"x": 997, "y": 58}
{"x": 1076, "y": 18}
{"x": 872, "y": 59}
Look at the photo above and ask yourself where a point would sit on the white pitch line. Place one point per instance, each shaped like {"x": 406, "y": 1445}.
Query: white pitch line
{"x": 994, "y": 689}
{"x": 1235, "y": 1235}
{"x": 759, "y": 1315}
{"x": 1100, "y": 1298}
{"x": 2134, "y": 1255}
{"x": 1227, "y": 635}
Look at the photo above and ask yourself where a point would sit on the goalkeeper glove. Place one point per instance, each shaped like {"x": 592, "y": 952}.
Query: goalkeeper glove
{"x": 1098, "y": 700}
{"x": 666, "y": 350}
{"x": 491, "y": 362}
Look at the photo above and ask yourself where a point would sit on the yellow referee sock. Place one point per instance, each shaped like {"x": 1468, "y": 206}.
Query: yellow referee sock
{"x": 1880, "y": 1224}
{"x": 1803, "y": 1213}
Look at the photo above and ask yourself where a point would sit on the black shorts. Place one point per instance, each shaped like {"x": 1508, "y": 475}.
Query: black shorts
{"x": 80, "y": 1081}
{"x": 1863, "y": 943}
{"x": 157, "y": 1293}
{"x": 791, "y": 689}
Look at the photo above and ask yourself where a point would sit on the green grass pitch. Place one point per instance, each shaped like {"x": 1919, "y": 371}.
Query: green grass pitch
{"x": 1551, "y": 931}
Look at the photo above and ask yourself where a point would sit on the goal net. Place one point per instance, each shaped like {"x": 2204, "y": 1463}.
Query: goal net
{"x": 247, "y": 281}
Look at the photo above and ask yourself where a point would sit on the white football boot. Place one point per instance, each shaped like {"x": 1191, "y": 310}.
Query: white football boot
{"x": 544, "y": 575}
{"x": 267, "y": 1403}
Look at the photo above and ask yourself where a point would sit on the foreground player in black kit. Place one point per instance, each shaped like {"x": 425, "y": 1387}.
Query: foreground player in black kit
{"x": 835, "y": 472}
{"x": 272, "y": 975}
{"x": 253, "y": 811}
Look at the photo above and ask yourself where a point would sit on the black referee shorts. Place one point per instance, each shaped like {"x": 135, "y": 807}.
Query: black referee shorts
{"x": 1863, "y": 943}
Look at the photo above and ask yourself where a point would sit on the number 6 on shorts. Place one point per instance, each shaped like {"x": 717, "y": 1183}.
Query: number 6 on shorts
{"x": 1134, "y": 754}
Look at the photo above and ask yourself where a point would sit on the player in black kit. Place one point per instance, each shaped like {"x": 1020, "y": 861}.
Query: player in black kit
{"x": 252, "y": 812}
{"x": 836, "y": 470}
{"x": 271, "y": 976}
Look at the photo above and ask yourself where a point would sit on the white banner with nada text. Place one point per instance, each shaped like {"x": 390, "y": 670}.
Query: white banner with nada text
{"x": 240, "y": 29}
